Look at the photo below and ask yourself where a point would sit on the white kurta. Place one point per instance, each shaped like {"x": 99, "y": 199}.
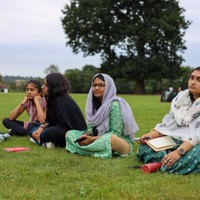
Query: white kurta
{"x": 183, "y": 120}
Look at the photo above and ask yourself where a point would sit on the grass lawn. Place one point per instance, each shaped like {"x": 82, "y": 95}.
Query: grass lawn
{"x": 56, "y": 174}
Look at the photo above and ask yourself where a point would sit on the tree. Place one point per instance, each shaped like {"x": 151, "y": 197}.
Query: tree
{"x": 80, "y": 81}
{"x": 184, "y": 77}
{"x": 51, "y": 69}
{"x": 137, "y": 40}
{"x": 88, "y": 72}
{"x": 75, "y": 80}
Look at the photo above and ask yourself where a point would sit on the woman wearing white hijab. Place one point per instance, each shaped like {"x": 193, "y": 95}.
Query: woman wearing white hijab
{"x": 182, "y": 123}
{"x": 112, "y": 126}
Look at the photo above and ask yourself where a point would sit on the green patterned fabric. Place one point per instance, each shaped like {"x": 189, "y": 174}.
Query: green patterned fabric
{"x": 102, "y": 146}
{"x": 188, "y": 163}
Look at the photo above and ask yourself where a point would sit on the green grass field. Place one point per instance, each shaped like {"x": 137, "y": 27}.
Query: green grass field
{"x": 56, "y": 174}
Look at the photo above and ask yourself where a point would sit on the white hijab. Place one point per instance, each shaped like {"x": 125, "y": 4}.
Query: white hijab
{"x": 100, "y": 119}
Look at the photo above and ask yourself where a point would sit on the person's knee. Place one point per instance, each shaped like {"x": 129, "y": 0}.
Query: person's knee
{"x": 5, "y": 121}
{"x": 120, "y": 145}
{"x": 55, "y": 135}
{"x": 114, "y": 139}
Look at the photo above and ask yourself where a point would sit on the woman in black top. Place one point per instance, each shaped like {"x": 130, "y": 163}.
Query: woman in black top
{"x": 63, "y": 113}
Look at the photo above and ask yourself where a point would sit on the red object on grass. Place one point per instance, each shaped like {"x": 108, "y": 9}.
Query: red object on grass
{"x": 17, "y": 149}
{"x": 151, "y": 167}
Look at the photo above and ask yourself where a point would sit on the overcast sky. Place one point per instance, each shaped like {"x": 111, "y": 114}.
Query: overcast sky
{"x": 32, "y": 37}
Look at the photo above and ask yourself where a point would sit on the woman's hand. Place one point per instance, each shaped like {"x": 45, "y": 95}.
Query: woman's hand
{"x": 36, "y": 134}
{"x": 87, "y": 140}
{"x": 24, "y": 100}
{"x": 37, "y": 99}
{"x": 170, "y": 158}
{"x": 144, "y": 138}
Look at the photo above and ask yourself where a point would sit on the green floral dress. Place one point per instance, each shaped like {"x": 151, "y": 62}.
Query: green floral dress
{"x": 102, "y": 146}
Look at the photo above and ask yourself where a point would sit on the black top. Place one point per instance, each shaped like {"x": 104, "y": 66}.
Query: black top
{"x": 64, "y": 112}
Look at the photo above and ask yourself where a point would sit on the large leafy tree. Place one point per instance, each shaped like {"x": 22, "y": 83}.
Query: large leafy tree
{"x": 137, "y": 40}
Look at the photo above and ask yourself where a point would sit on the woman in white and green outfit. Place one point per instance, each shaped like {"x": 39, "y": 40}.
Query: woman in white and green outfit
{"x": 112, "y": 126}
{"x": 182, "y": 123}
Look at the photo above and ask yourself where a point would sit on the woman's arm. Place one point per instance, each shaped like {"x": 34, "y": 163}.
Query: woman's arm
{"x": 41, "y": 114}
{"x": 18, "y": 110}
{"x": 36, "y": 134}
{"x": 87, "y": 139}
{"x": 152, "y": 134}
{"x": 116, "y": 123}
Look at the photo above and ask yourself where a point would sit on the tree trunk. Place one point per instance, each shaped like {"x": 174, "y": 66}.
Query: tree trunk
{"x": 140, "y": 88}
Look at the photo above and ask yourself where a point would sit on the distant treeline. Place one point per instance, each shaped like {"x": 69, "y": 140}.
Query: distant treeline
{"x": 10, "y": 79}
{"x": 80, "y": 81}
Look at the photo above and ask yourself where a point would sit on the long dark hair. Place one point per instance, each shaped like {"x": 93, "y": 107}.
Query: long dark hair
{"x": 57, "y": 85}
{"x": 95, "y": 101}
{"x": 195, "y": 69}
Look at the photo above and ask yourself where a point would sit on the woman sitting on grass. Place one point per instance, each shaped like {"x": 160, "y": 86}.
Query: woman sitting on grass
{"x": 63, "y": 113}
{"x": 111, "y": 123}
{"x": 34, "y": 104}
{"x": 182, "y": 123}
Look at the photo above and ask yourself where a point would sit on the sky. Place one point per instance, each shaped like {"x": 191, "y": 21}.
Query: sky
{"x": 32, "y": 38}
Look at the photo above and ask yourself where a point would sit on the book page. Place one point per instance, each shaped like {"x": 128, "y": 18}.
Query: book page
{"x": 161, "y": 143}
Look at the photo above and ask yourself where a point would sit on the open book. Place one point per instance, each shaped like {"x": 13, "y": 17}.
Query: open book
{"x": 161, "y": 143}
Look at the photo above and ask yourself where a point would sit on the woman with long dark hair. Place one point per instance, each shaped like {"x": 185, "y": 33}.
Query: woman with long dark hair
{"x": 63, "y": 113}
